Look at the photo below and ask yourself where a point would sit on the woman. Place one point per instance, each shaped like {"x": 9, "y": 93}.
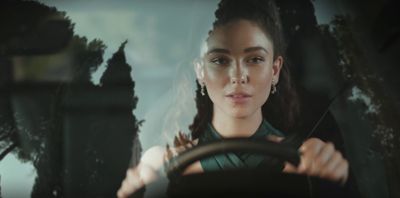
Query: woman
{"x": 243, "y": 84}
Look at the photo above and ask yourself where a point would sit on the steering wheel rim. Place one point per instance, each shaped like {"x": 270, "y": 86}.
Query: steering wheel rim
{"x": 182, "y": 185}
{"x": 176, "y": 165}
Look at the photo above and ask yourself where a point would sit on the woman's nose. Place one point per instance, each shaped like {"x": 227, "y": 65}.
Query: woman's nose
{"x": 239, "y": 74}
{"x": 243, "y": 79}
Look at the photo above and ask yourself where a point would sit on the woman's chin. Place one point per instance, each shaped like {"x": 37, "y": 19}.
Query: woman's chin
{"x": 240, "y": 113}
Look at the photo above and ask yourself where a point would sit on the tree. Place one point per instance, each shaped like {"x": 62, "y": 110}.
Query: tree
{"x": 78, "y": 136}
{"x": 367, "y": 127}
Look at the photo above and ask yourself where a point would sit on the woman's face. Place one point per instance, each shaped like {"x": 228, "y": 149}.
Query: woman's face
{"x": 238, "y": 68}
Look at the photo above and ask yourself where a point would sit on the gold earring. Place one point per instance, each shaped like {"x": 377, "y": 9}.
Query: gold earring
{"x": 273, "y": 90}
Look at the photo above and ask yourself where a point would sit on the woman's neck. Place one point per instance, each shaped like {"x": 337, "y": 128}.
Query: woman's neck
{"x": 229, "y": 127}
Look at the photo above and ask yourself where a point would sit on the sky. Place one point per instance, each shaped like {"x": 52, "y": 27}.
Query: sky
{"x": 163, "y": 40}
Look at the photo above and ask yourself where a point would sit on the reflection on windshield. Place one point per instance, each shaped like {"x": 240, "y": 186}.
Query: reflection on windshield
{"x": 73, "y": 107}
{"x": 56, "y": 119}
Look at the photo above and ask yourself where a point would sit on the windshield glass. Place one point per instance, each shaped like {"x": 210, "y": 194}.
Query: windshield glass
{"x": 87, "y": 86}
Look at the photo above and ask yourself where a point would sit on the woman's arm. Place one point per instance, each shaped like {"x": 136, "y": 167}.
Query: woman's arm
{"x": 150, "y": 165}
{"x": 144, "y": 173}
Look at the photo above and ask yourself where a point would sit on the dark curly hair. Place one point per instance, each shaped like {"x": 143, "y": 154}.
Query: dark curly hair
{"x": 282, "y": 108}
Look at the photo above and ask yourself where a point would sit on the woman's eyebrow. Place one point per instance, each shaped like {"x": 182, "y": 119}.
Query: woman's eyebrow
{"x": 218, "y": 50}
{"x": 226, "y": 51}
{"x": 256, "y": 48}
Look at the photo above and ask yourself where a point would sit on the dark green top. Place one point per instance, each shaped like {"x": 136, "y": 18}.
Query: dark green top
{"x": 231, "y": 161}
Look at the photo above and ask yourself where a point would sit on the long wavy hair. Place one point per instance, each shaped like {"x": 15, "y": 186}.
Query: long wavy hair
{"x": 281, "y": 108}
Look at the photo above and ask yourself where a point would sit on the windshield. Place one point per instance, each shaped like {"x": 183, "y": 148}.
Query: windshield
{"x": 87, "y": 86}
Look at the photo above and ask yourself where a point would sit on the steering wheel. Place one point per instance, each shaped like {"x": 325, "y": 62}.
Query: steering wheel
{"x": 222, "y": 183}
{"x": 281, "y": 151}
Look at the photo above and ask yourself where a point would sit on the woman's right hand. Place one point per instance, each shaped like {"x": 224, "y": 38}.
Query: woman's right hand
{"x": 151, "y": 163}
{"x": 144, "y": 173}
{"x": 134, "y": 180}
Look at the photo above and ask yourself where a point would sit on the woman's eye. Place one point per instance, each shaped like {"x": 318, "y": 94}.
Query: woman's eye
{"x": 255, "y": 60}
{"x": 220, "y": 61}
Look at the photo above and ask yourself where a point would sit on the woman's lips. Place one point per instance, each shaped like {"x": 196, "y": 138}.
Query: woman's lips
{"x": 239, "y": 98}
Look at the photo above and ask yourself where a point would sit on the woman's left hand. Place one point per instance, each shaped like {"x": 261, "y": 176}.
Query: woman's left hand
{"x": 320, "y": 159}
